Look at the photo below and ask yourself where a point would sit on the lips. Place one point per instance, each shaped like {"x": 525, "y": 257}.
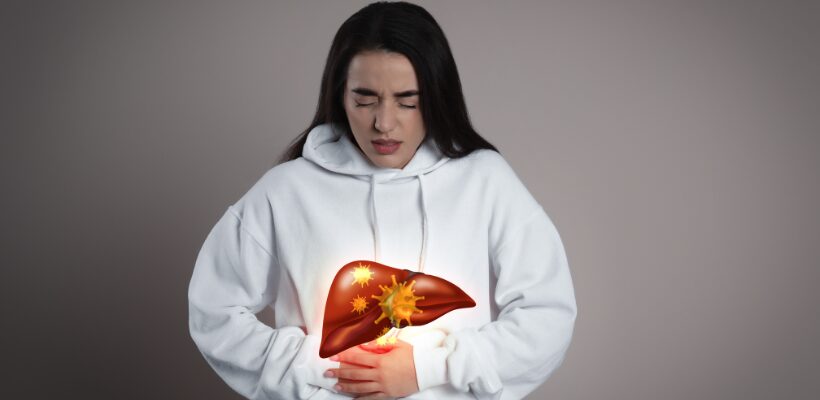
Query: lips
{"x": 386, "y": 142}
{"x": 386, "y": 147}
{"x": 346, "y": 325}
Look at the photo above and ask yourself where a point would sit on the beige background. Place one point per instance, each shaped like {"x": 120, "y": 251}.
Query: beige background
{"x": 674, "y": 144}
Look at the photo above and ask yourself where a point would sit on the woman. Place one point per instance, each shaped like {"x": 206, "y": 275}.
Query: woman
{"x": 390, "y": 170}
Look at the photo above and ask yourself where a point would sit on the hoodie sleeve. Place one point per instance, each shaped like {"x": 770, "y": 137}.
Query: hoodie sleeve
{"x": 235, "y": 276}
{"x": 513, "y": 355}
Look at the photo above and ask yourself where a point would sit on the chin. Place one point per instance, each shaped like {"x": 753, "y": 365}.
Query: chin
{"x": 389, "y": 165}
{"x": 386, "y": 161}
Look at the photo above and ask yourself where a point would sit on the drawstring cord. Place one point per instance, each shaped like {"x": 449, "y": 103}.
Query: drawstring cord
{"x": 375, "y": 222}
{"x": 423, "y": 224}
{"x": 374, "y": 219}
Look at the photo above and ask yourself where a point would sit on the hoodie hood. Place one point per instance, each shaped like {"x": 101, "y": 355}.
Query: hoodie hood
{"x": 328, "y": 147}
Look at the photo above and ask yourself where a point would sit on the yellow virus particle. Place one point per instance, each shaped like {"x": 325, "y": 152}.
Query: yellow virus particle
{"x": 398, "y": 302}
{"x": 384, "y": 331}
{"x": 383, "y": 340}
{"x": 362, "y": 275}
{"x": 359, "y": 304}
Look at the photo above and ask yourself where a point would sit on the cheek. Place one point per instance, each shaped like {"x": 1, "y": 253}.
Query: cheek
{"x": 357, "y": 116}
{"x": 416, "y": 124}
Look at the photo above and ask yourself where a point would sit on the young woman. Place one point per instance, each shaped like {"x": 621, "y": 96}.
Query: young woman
{"x": 392, "y": 171}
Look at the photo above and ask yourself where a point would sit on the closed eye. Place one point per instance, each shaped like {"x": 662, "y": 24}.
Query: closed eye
{"x": 370, "y": 104}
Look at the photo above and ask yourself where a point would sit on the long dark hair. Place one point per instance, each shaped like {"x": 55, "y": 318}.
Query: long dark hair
{"x": 410, "y": 30}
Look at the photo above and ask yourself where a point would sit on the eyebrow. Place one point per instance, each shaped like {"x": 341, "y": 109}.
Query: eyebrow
{"x": 370, "y": 92}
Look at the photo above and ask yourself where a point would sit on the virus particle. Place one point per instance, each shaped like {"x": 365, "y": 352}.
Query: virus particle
{"x": 398, "y": 302}
{"x": 362, "y": 275}
{"x": 384, "y": 331}
{"x": 359, "y": 304}
{"x": 383, "y": 340}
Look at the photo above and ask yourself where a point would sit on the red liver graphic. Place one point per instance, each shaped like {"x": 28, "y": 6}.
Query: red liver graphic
{"x": 367, "y": 298}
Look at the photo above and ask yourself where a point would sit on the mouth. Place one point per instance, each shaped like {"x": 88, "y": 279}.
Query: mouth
{"x": 386, "y": 147}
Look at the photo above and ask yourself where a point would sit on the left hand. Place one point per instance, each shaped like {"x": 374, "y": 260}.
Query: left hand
{"x": 377, "y": 374}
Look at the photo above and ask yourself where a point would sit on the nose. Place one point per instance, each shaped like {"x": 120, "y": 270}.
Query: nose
{"x": 385, "y": 118}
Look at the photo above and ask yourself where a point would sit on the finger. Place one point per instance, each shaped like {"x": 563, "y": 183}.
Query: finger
{"x": 347, "y": 365}
{"x": 373, "y": 396}
{"x": 359, "y": 357}
{"x": 343, "y": 380}
{"x": 358, "y": 387}
{"x": 352, "y": 350}
{"x": 337, "y": 358}
{"x": 369, "y": 346}
{"x": 359, "y": 374}
{"x": 376, "y": 348}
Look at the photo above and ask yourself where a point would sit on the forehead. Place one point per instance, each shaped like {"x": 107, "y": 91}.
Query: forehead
{"x": 381, "y": 71}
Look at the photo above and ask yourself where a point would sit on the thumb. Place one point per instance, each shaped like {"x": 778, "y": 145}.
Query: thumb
{"x": 370, "y": 346}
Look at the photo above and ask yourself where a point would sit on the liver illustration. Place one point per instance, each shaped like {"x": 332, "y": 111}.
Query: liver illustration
{"x": 367, "y": 298}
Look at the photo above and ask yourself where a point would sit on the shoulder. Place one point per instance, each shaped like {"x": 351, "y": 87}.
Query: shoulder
{"x": 283, "y": 175}
{"x": 501, "y": 185}
{"x": 276, "y": 181}
{"x": 485, "y": 162}
{"x": 256, "y": 208}
{"x": 507, "y": 191}
{"x": 484, "y": 157}
{"x": 491, "y": 166}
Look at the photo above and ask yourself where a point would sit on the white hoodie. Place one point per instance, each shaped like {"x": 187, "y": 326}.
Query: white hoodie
{"x": 470, "y": 221}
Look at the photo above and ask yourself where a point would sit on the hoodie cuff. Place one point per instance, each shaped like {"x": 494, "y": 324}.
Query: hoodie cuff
{"x": 431, "y": 366}
{"x": 312, "y": 367}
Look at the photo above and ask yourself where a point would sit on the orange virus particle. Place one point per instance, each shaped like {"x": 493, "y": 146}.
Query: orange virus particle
{"x": 359, "y": 304}
{"x": 398, "y": 302}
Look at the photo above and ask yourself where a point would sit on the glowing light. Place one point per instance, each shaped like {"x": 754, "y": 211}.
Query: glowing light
{"x": 362, "y": 275}
{"x": 383, "y": 339}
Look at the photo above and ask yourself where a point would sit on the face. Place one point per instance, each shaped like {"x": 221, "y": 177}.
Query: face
{"x": 381, "y": 101}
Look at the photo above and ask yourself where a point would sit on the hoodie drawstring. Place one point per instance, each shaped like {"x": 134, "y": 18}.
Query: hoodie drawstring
{"x": 375, "y": 222}
{"x": 373, "y": 219}
{"x": 423, "y": 224}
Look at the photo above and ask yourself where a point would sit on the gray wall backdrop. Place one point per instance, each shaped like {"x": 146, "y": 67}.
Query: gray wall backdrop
{"x": 675, "y": 144}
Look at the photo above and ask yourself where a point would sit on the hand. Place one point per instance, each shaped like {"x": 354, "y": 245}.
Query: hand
{"x": 389, "y": 374}
{"x": 345, "y": 380}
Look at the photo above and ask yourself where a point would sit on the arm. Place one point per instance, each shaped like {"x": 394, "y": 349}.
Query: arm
{"x": 236, "y": 276}
{"x": 511, "y": 356}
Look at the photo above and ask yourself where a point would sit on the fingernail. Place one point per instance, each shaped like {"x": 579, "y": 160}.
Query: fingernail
{"x": 329, "y": 373}
{"x": 337, "y": 387}
{"x": 334, "y": 358}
